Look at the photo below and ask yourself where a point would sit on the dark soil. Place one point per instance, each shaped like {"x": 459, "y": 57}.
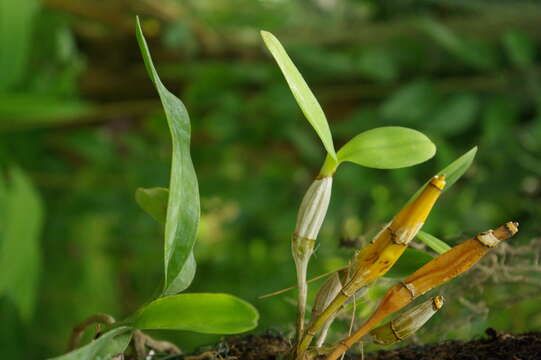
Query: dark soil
{"x": 495, "y": 346}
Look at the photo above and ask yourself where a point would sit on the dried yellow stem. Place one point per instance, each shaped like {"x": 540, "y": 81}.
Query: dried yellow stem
{"x": 407, "y": 323}
{"x": 375, "y": 259}
{"x": 443, "y": 268}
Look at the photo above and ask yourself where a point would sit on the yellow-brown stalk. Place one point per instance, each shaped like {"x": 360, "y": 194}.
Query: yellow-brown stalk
{"x": 438, "y": 271}
{"x": 375, "y": 259}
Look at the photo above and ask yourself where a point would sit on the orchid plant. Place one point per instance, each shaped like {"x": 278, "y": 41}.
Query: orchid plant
{"x": 382, "y": 148}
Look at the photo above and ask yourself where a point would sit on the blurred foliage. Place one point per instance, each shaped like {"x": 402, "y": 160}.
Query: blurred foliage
{"x": 79, "y": 116}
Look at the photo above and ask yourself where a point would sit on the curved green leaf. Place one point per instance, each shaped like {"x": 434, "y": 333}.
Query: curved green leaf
{"x": 203, "y": 313}
{"x": 21, "y": 221}
{"x": 433, "y": 242}
{"x": 153, "y": 201}
{"x": 388, "y": 147}
{"x": 104, "y": 348}
{"x": 302, "y": 93}
{"x": 452, "y": 172}
{"x": 410, "y": 261}
{"x": 183, "y": 209}
{"x": 457, "y": 168}
{"x": 16, "y": 28}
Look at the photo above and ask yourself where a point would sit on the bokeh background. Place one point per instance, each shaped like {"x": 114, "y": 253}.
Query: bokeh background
{"x": 81, "y": 120}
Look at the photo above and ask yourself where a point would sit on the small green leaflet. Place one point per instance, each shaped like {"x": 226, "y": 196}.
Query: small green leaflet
{"x": 388, "y": 147}
{"x": 203, "y": 312}
{"x": 433, "y": 242}
{"x": 457, "y": 168}
{"x": 183, "y": 209}
{"x": 21, "y": 221}
{"x": 302, "y": 93}
{"x": 105, "y": 347}
{"x": 452, "y": 172}
{"x": 410, "y": 261}
{"x": 16, "y": 27}
{"x": 153, "y": 201}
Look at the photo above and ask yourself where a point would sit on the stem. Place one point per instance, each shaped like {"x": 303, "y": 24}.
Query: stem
{"x": 302, "y": 249}
{"x": 328, "y": 168}
{"x": 344, "y": 345}
{"x": 318, "y": 323}
{"x": 303, "y": 294}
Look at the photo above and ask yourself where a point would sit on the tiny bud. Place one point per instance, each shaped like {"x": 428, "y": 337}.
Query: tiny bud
{"x": 407, "y": 323}
{"x": 313, "y": 208}
{"x": 326, "y": 293}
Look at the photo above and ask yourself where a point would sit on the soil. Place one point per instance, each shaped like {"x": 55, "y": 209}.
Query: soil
{"x": 494, "y": 346}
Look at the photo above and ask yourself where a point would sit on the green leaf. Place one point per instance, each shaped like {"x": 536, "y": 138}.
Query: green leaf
{"x": 388, "y": 147}
{"x": 454, "y": 116}
{"x": 183, "y": 209}
{"x": 203, "y": 313}
{"x": 452, "y": 172}
{"x": 16, "y": 25}
{"x": 21, "y": 220}
{"x": 476, "y": 55}
{"x": 39, "y": 111}
{"x": 302, "y": 93}
{"x": 520, "y": 48}
{"x": 104, "y": 348}
{"x": 409, "y": 262}
{"x": 153, "y": 201}
{"x": 378, "y": 64}
{"x": 411, "y": 103}
{"x": 457, "y": 168}
{"x": 433, "y": 242}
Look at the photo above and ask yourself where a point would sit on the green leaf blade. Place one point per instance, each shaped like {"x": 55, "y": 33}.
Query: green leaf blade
{"x": 104, "y": 348}
{"x": 154, "y": 202}
{"x": 388, "y": 147}
{"x": 16, "y": 26}
{"x": 203, "y": 312}
{"x": 183, "y": 209}
{"x": 21, "y": 221}
{"x": 305, "y": 98}
{"x": 457, "y": 168}
{"x": 433, "y": 242}
{"x": 452, "y": 172}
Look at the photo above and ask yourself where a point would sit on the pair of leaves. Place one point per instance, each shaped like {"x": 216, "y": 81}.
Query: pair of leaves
{"x": 382, "y": 148}
{"x": 183, "y": 208}
{"x": 203, "y": 313}
{"x": 413, "y": 259}
{"x": 21, "y": 220}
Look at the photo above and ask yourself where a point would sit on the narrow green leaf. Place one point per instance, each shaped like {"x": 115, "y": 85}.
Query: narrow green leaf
{"x": 39, "y": 111}
{"x": 520, "y": 47}
{"x": 457, "y": 168}
{"x": 183, "y": 209}
{"x": 476, "y": 55}
{"x": 409, "y": 262}
{"x": 203, "y": 313}
{"x": 153, "y": 201}
{"x": 433, "y": 242}
{"x": 20, "y": 260}
{"x": 104, "y": 348}
{"x": 452, "y": 172}
{"x": 302, "y": 93}
{"x": 455, "y": 115}
{"x": 16, "y": 25}
{"x": 388, "y": 147}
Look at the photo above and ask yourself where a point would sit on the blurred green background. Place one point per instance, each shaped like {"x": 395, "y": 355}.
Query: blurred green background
{"x": 81, "y": 128}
